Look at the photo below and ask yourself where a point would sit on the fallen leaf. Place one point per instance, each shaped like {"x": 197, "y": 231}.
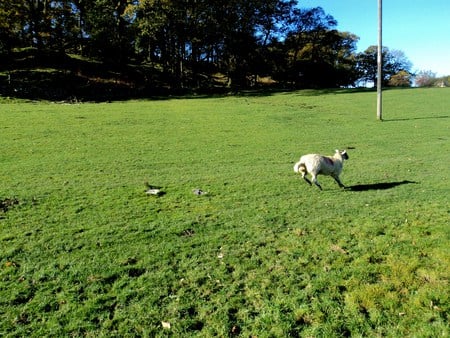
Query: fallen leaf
{"x": 165, "y": 325}
{"x": 337, "y": 248}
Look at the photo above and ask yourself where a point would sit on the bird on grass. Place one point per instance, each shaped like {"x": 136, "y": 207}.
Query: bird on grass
{"x": 153, "y": 190}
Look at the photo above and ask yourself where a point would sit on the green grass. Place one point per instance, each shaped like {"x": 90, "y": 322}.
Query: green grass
{"x": 86, "y": 252}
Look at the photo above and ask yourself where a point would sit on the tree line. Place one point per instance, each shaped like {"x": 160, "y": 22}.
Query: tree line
{"x": 427, "y": 78}
{"x": 188, "y": 41}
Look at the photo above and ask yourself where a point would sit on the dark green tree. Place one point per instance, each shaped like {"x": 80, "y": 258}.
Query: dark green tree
{"x": 11, "y": 25}
{"x": 317, "y": 55}
{"x": 393, "y": 62}
{"x": 107, "y": 26}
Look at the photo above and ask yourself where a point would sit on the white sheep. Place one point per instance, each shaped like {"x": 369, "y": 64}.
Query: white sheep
{"x": 316, "y": 164}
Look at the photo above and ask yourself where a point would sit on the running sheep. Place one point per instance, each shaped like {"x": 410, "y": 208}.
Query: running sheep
{"x": 316, "y": 164}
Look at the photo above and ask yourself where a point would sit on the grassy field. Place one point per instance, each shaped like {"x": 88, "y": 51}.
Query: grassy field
{"x": 85, "y": 252}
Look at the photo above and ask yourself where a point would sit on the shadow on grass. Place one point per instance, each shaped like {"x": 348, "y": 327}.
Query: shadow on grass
{"x": 418, "y": 118}
{"x": 378, "y": 186}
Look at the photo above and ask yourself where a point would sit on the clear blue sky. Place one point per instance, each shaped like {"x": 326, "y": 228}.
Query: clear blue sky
{"x": 419, "y": 28}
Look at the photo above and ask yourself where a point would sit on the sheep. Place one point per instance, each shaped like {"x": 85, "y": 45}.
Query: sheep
{"x": 316, "y": 164}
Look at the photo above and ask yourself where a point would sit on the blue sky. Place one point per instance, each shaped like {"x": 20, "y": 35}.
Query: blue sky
{"x": 419, "y": 28}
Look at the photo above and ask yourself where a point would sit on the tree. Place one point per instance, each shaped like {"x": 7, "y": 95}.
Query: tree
{"x": 186, "y": 41}
{"x": 170, "y": 34}
{"x": 63, "y": 32}
{"x": 42, "y": 24}
{"x": 272, "y": 17}
{"x": 400, "y": 79}
{"x": 230, "y": 36}
{"x": 393, "y": 62}
{"x": 107, "y": 26}
{"x": 425, "y": 78}
{"x": 317, "y": 54}
{"x": 305, "y": 28}
{"x": 10, "y": 25}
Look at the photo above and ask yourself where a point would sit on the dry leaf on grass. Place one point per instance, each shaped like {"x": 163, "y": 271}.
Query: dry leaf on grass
{"x": 337, "y": 248}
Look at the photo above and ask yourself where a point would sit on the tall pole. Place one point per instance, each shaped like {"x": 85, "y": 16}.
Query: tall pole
{"x": 380, "y": 61}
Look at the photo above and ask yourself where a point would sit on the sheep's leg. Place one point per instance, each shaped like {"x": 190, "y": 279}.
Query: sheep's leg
{"x": 306, "y": 178}
{"x": 314, "y": 179}
{"x": 338, "y": 181}
{"x": 303, "y": 171}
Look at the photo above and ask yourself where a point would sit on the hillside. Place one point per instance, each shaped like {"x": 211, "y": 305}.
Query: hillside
{"x": 29, "y": 74}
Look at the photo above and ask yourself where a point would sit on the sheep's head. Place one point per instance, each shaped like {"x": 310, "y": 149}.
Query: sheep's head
{"x": 343, "y": 153}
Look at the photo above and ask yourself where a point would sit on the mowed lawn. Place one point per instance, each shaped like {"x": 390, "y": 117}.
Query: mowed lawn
{"x": 85, "y": 252}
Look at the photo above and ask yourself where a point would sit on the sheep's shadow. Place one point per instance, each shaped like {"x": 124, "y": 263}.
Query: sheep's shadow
{"x": 378, "y": 186}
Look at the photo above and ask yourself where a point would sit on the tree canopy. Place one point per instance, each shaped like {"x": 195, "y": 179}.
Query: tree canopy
{"x": 195, "y": 43}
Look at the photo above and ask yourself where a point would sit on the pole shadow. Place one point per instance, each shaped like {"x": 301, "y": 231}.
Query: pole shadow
{"x": 378, "y": 186}
{"x": 417, "y": 118}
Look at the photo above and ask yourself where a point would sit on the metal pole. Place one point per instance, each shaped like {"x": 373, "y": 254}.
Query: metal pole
{"x": 380, "y": 61}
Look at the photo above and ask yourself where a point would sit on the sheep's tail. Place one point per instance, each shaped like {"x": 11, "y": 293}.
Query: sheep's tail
{"x": 299, "y": 167}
